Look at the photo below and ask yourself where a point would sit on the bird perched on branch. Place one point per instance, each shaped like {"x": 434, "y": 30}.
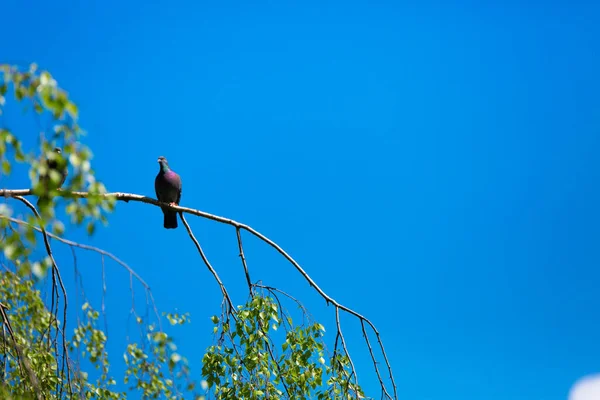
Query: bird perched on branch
{"x": 167, "y": 185}
{"x": 53, "y": 176}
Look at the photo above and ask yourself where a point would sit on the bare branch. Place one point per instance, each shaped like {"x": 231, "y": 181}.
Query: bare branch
{"x": 341, "y": 335}
{"x": 210, "y": 267}
{"x": 104, "y": 296}
{"x": 102, "y": 253}
{"x": 84, "y": 247}
{"x": 241, "y": 248}
{"x": 362, "y": 324}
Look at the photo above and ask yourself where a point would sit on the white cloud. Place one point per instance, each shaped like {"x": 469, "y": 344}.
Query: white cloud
{"x": 586, "y": 388}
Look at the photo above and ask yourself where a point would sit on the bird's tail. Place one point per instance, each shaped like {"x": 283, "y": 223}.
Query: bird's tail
{"x": 170, "y": 219}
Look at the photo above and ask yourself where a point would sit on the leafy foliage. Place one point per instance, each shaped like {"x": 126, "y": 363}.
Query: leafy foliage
{"x": 246, "y": 362}
{"x": 258, "y": 351}
{"x": 35, "y": 329}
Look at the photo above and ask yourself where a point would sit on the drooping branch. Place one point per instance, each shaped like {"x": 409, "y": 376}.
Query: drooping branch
{"x": 340, "y": 334}
{"x": 243, "y": 258}
{"x": 103, "y": 254}
{"x": 366, "y": 336}
{"x": 62, "y": 286}
{"x": 84, "y": 247}
{"x": 208, "y": 265}
{"x": 127, "y": 197}
{"x": 274, "y": 291}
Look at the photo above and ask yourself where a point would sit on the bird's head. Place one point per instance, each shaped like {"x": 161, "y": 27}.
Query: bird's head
{"x": 164, "y": 165}
{"x": 57, "y": 150}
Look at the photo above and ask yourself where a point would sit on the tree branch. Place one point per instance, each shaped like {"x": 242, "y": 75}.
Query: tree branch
{"x": 341, "y": 336}
{"x": 126, "y": 197}
{"x": 243, "y": 257}
{"x": 208, "y": 265}
{"x": 366, "y": 336}
{"x": 62, "y": 286}
{"x": 82, "y": 246}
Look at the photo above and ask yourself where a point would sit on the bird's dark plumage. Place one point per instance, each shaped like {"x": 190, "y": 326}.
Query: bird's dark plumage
{"x": 167, "y": 185}
{"x": 52, "y": 163}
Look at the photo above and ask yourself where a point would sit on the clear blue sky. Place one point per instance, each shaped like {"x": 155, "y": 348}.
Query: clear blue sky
{"x": 431, "y": 165}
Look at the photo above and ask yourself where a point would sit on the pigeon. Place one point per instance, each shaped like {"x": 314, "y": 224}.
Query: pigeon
{"x": 53, "y": 164}
{"x": 167, "y": 185}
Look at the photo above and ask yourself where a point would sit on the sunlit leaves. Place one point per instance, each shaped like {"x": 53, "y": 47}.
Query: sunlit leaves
{"x": 156, "y": 369}
{"x": 40, "y": 90}
{"x": 37, "y": 329}
{"x": 176, "y": 318}
{"x": 247, "y": 361}
{"x": 29, "y": 320}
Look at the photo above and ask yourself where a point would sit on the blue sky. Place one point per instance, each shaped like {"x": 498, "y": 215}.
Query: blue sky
{"x": 431, "y": 165}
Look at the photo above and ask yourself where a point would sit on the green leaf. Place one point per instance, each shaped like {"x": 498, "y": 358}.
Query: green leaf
{"x": 72, "y": 109}
{"x": 91, "y": 227}
{"x": 6, "y": 167}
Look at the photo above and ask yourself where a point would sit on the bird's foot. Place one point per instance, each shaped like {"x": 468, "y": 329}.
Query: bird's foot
{"x": 173, "y": 204}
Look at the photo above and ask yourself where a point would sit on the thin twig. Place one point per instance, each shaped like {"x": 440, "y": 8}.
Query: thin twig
{"x": 341, "y": 335}
{"x": 103, "y": 253}
{"x": 208, "y": 265}
{"x": 268, "y": 345}
{"x": 241, "y": 248}
{"x": 77, "y": 279}
{"x": 273, "y": 290}
{"x": 132, "y": 310}
{"x": 362, "y": 324}
{"x": 82, "y": 246}
{"x": 281, "y": 310}
{"x": 53, "y": 314}
{"x": 104, "y": 296}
